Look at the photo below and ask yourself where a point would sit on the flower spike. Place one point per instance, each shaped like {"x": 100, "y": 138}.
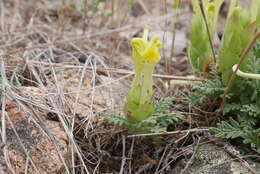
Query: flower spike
{"x": 145, "y": 54}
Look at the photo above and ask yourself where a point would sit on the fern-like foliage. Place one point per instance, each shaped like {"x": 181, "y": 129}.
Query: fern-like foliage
{"x": 158, "y": 122}
{"x": 256, "y": 49}
{"x": 115, "y": 119}
{"x": 236, "y": 129}
{"x": 251, "y": 110}
{"x": 211, "y": 88}
{"x": 230, "y": 129}
{"x": 243, "y": 107}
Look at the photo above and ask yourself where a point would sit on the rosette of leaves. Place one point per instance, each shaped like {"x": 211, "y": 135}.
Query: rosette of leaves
{"x": 245, "y": 110}
{"x": 242, "y": 110}
{"x": 243, "y": 100}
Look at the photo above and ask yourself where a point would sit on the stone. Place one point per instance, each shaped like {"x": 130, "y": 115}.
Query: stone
{"x": 211, "y": 159}
{"x": 40, "y": 148}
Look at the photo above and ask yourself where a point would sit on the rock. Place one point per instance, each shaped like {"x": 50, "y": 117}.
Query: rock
{"x": 41, "y": 149}
{"x": 93, "y": 97}
{"x": 211, "y": 159}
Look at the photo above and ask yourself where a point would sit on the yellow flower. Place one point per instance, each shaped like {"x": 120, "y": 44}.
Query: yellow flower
{"x": 139, "y": 101}
{"x": 145, "y": 51}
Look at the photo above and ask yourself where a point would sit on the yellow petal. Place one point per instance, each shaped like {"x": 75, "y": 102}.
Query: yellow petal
{"x": 138, "y": 45}
{"x": 152, "y": 54}
{"x": 146, "y": 51}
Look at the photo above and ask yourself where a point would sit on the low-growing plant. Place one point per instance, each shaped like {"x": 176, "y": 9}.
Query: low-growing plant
{"x": 157, "y": 122}
{"x": 242, "y": 95}
{"x": 94, "y": 6}
{"x": 243, "y": 108}
{"x": 240, "y": 30}
{"x": 142, "y": 115}
{"x": 200, "y": 51}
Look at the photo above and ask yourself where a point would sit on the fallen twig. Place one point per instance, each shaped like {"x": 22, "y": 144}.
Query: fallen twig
{"x": 168, "y": 133}
{"x": 117, "y": 71}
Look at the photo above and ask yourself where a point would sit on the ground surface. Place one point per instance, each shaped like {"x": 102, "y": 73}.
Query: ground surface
{"x": 63, "y": 62}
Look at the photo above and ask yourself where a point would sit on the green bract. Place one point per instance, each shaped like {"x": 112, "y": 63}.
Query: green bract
{"x": 139, "y": 102}
{"x": 239, "y": 31}
{"x": 199, "y": 50}
{"x": 255, "y": 11}
{"x": 241, "y": 95}
{"x": 242, "y": 25}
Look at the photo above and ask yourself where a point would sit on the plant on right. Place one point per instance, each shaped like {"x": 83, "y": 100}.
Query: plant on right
{"x": 232, "y": 77}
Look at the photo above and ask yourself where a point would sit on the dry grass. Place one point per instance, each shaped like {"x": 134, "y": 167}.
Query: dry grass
{"x": 61, "y": 51}
{"x": 80, "y": 65}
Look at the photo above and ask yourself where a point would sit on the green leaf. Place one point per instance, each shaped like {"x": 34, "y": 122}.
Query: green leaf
{"x": 211, "y": 88}
{"x": 115, "y": 119}
{"x": 230, "y": 129}
{"x": 73, "y": 6}
{"x": 242, "y": 109}
{"x": 240, "y": 31}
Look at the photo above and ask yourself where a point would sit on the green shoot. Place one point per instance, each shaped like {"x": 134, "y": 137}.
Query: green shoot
{"x": 200, "y": 51}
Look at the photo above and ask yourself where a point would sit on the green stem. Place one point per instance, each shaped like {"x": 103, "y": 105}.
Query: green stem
{"x": 245, "y": 75}
{"x": 147, "y": 83}
{"x": 137, "y": 78}
{"x": 130, "y": 5}
{"x": 176, "y": 7}
{"x": 202, "y": 9}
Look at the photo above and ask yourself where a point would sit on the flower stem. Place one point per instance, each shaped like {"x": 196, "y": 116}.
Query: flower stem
{"x": 245, "y": 75}
{"x": 147, "y": 83}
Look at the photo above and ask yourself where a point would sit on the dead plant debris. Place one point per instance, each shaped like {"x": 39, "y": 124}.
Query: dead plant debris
{"x": 57, "y": 72}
